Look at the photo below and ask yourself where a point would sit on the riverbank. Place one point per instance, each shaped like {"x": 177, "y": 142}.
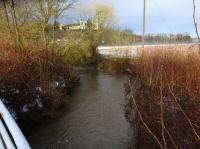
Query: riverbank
{"x": 163, "y": 99}
{"x": 33, "y": 81}
{"x": 116, "y": 65}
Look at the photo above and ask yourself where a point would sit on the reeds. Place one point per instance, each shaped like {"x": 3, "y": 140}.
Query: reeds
{"x": 164, "y": 99}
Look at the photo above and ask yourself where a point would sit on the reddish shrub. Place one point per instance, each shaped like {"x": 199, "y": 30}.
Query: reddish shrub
{"x": 33, "y": 80}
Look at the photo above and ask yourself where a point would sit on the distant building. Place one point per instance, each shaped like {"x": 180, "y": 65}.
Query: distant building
{"x": 80, "y": 26}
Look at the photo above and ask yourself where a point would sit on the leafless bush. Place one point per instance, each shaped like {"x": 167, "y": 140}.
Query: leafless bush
{"x": 163, "y": 99}
{"x": 33, "y": 80}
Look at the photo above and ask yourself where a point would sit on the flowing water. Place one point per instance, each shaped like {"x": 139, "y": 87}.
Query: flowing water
{"x": 93, "y": 119}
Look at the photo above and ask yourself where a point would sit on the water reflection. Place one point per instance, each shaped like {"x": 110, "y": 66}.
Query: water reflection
{"x": 95, "y": 119}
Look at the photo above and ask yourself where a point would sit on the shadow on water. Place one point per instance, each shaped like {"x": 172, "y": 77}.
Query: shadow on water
{"x": 95, "y": 118}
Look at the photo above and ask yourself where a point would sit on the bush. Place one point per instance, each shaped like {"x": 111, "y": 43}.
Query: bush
{"x": 33, "y": 81}
{"x": 81, "y": 47}
{"x": 116, "y": 65}
{"x": 164, "y": 99}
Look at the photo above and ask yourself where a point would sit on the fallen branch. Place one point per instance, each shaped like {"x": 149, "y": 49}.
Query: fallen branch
{"x": 188, "y": 119}
{"x": 144, "y": 123}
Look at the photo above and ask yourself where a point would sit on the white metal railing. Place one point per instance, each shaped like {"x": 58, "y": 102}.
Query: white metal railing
{"x": 5, "y": 138}
{"x": 132, "y": 50}
{"x": 20, "y": 141}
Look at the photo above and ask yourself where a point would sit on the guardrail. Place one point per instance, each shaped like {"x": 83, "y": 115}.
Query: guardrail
{"x": 132, "y": 50}
{"x": 11, "y": 137}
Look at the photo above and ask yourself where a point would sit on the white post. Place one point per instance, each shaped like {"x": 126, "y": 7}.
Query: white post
{"x": 144, "y": 24}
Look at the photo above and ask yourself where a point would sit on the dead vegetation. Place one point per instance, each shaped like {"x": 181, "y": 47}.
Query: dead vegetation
{"x": 163, "y": 99}
{"x": 33, "y": 81}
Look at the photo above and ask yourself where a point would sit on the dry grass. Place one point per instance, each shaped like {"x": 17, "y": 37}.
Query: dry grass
{"x": 174, "y": 68}
{"x": 165, "y": 94}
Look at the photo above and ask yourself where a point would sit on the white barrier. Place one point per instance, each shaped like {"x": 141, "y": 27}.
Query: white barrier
{"x": 132, "y": 50}
{"x": 18, "y": 137}
{"x": 5, "y": 138}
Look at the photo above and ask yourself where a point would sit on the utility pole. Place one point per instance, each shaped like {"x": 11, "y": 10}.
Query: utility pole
{"x": 144, "y": 24}
{"x": 195, "y": 23}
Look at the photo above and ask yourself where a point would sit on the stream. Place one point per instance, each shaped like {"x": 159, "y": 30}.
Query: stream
{"x": 93, "y": 118}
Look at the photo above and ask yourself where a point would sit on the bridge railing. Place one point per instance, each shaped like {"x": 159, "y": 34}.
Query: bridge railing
{"x": 134, "y": 50}
{"x": 11, "y": 136}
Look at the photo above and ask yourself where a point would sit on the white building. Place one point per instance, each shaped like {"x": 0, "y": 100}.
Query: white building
{"x": 81, "y": 26}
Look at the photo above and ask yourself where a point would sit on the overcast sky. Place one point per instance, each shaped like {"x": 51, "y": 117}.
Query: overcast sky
{"x": 171, "y": 16}
{"x": 163, "y": 16}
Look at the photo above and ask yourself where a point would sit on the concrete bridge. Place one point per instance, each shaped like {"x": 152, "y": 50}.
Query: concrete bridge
{"x": 134, "y": 50}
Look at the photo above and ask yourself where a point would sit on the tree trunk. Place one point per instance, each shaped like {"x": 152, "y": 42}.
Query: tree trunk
{"x": 15, "y": 23}
{"x": 45, "y": 33}
{"x": 6, "y": 15}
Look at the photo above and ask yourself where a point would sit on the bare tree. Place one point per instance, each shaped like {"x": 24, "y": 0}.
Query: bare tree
{"x": 60, "y": 6}
{"x": 50, "y": 10}
{"x": 43, "y": 14}
{"x": 24, "y": 9}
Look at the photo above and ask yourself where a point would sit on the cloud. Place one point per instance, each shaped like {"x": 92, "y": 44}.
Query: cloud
{"x": 162, "y": 15}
